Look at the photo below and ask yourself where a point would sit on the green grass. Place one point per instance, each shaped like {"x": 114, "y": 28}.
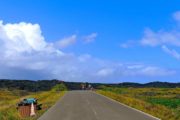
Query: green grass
{"x": 171, "y": 103}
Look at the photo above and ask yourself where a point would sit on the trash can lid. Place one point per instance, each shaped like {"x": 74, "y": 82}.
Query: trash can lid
{"x": 29, "y": 100}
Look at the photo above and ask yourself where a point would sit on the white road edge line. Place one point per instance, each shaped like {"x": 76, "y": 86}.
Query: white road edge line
{"x": 128, "y": 106}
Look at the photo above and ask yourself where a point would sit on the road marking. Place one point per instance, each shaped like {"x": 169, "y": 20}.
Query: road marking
{"x": 94, "y": 111}
{"x": 127, "y": 106}
{"x": 88, "y": 101}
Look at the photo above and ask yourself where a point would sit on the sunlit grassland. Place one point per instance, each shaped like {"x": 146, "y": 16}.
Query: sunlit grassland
{"x": 9, "y": 99}
{"x": 163, "y": 103}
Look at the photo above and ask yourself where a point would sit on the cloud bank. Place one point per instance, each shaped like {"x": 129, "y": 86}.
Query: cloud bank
{"x": 25, "y": 54}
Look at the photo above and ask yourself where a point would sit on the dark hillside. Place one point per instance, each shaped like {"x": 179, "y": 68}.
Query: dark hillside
{"x": 45, "y": 85}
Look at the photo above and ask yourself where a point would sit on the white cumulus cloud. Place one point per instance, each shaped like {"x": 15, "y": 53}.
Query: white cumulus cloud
{"x": 160, "y": 38}
{"x": 65, "y": 42}
{"x": 90, "y": 38}
{"x": 176, "y": 16}
{"x": 23, "y": 38}
{"x": 105, "y": 72}
{"x": 171, "y": 52}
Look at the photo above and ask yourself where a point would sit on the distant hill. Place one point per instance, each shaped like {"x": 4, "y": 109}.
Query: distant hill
{"x": 40, "y": 85}
{"x": 45, "y": 85}
{"x": 151, "y": 84}
{"x": 34, "y": 86}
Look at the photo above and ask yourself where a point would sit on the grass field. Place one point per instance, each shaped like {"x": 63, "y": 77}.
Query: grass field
{"x": 163, "y": 103}
{"x": 9, "y": 99}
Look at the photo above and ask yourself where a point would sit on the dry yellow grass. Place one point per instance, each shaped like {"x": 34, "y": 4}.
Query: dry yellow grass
{"x": 8, "y": 103}
{"x": 155, "y": 110}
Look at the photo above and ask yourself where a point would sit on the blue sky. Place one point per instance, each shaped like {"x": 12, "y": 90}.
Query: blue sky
{"x": 94, "y": 41}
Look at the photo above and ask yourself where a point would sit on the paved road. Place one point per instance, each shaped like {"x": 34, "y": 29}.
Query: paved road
{"x": 86, "y": 105}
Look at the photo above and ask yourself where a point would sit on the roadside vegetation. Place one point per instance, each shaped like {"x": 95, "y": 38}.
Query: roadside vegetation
{"x": 163, "y": 103}
{"x": 9, "y": 99}
{"x": 160, "y": 99}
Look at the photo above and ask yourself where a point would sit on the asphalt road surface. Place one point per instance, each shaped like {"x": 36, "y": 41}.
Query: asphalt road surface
{"x": 87, "y": 105}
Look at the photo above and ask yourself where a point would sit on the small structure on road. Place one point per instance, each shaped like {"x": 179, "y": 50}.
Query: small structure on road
{"x": 86, "y": 86}
{"x": 83, "y": 86}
